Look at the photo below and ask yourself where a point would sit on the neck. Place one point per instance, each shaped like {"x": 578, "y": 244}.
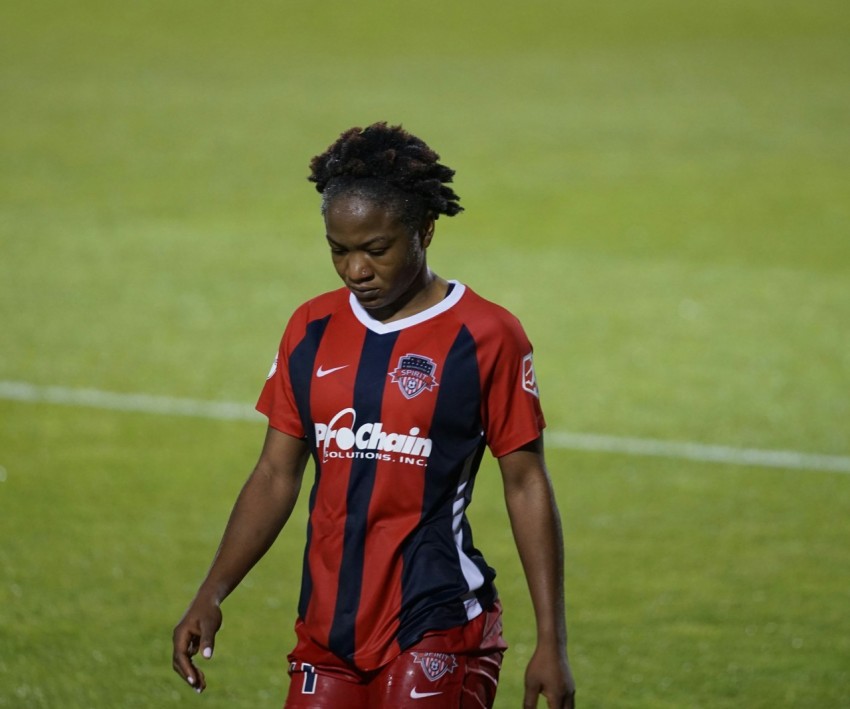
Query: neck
{"x": 426, "y": 290}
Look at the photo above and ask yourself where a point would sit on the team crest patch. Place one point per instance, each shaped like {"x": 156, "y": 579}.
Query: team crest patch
{"x": 435, "y": 664}
{"x": 414, "y": 374}
{"x": 529, "y": 378}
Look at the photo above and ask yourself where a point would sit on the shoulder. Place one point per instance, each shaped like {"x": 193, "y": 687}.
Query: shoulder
{"x": 319, "y": 307}
{"x": 490, "y": 321}
{"x": 322, "y": 305}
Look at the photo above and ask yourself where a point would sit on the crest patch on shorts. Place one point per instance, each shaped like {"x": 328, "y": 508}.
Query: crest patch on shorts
{"x": 435, "y": 664}
{"x": 414, "y": 374}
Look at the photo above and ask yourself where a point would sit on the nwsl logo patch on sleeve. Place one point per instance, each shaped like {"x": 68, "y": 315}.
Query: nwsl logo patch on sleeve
{"x": 529, "y": 378}
{"x": 414, "y": 374}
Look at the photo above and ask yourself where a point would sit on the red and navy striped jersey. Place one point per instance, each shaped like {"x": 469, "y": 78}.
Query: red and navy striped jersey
{"x": 397, "y": 416}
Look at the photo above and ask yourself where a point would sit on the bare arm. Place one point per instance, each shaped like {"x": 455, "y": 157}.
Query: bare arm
{"x": 261, "y": 510}
{"x": 536, "y": 527}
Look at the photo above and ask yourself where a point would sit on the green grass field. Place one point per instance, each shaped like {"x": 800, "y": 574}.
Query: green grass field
{"x": 659, "y": 190}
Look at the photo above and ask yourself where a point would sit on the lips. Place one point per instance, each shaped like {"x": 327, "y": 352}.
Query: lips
{"x": 365, "y": 294}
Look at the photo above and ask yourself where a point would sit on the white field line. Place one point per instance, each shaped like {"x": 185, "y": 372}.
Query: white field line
{"x": 701, "y": 452}
{"x": 231, "y": 411}
{"x": 139, "y": 403}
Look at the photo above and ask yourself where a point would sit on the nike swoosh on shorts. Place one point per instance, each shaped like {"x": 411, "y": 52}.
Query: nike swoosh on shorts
{"x": 421, "y": 695}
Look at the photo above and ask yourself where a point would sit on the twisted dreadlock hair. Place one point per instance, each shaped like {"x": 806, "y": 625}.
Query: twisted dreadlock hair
{"x": 390, "y": 167}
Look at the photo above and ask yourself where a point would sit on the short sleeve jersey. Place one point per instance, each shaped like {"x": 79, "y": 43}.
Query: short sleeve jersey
{"x": 397, "y": 417}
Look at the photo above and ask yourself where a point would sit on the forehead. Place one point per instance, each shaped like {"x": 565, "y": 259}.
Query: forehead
{"x": 354, "y": 216}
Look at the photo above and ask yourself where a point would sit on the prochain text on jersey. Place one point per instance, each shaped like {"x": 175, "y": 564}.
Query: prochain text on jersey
{"x": 332, "y": 439}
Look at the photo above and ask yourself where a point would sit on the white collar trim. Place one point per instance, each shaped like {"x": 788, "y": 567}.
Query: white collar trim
{"x": 383, "y": 328}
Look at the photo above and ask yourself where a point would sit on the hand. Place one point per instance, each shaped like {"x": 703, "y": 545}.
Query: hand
{"x": 549, "y": 674}
{"x": 195, "y": 633}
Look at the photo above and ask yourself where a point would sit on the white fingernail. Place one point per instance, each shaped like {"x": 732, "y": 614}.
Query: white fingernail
{"x": 190, "y": 680}
{"x": 208, "y": 652}
{"x": 198, "y": 690}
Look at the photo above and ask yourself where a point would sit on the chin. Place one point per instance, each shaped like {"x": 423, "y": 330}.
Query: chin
{"x": 373, "y": 305}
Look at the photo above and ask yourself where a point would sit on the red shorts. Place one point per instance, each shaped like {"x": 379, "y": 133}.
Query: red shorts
{"x": 425, "y": 675}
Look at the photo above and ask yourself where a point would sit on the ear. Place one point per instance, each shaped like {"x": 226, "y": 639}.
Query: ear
{"x": 426, "y": 233}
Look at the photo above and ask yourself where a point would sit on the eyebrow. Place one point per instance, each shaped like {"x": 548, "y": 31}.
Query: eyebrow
{"x": 366, "y": 245}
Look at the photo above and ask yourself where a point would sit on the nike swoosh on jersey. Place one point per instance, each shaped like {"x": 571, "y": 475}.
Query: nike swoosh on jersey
{"x": 421, "y": 695}
{"x": 324, "y": 372}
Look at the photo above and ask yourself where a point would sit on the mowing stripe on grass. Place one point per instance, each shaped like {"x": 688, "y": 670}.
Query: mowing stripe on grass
{"x": 231, "y": 411}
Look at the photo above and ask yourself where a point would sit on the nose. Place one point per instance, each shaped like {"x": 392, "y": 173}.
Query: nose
{"x": 357, "y": 268}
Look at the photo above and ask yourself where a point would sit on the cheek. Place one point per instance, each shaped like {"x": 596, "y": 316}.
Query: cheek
{"x": 415, "y": 254}
{"x": 339, "y": 266}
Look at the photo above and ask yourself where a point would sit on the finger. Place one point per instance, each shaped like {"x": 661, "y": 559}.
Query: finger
{"x": 529, "y": 701}
{"x": 561, "y": 701}
{"x": 185, "y": 645}
{"x": 201, "y": 681}
{"x": 183, "y": 666}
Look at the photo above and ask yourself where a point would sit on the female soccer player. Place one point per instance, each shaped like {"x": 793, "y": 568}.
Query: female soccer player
{"x": 395, "y": 385}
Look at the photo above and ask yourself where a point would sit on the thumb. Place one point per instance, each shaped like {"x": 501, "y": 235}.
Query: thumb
{"x": 207, "y": 642}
